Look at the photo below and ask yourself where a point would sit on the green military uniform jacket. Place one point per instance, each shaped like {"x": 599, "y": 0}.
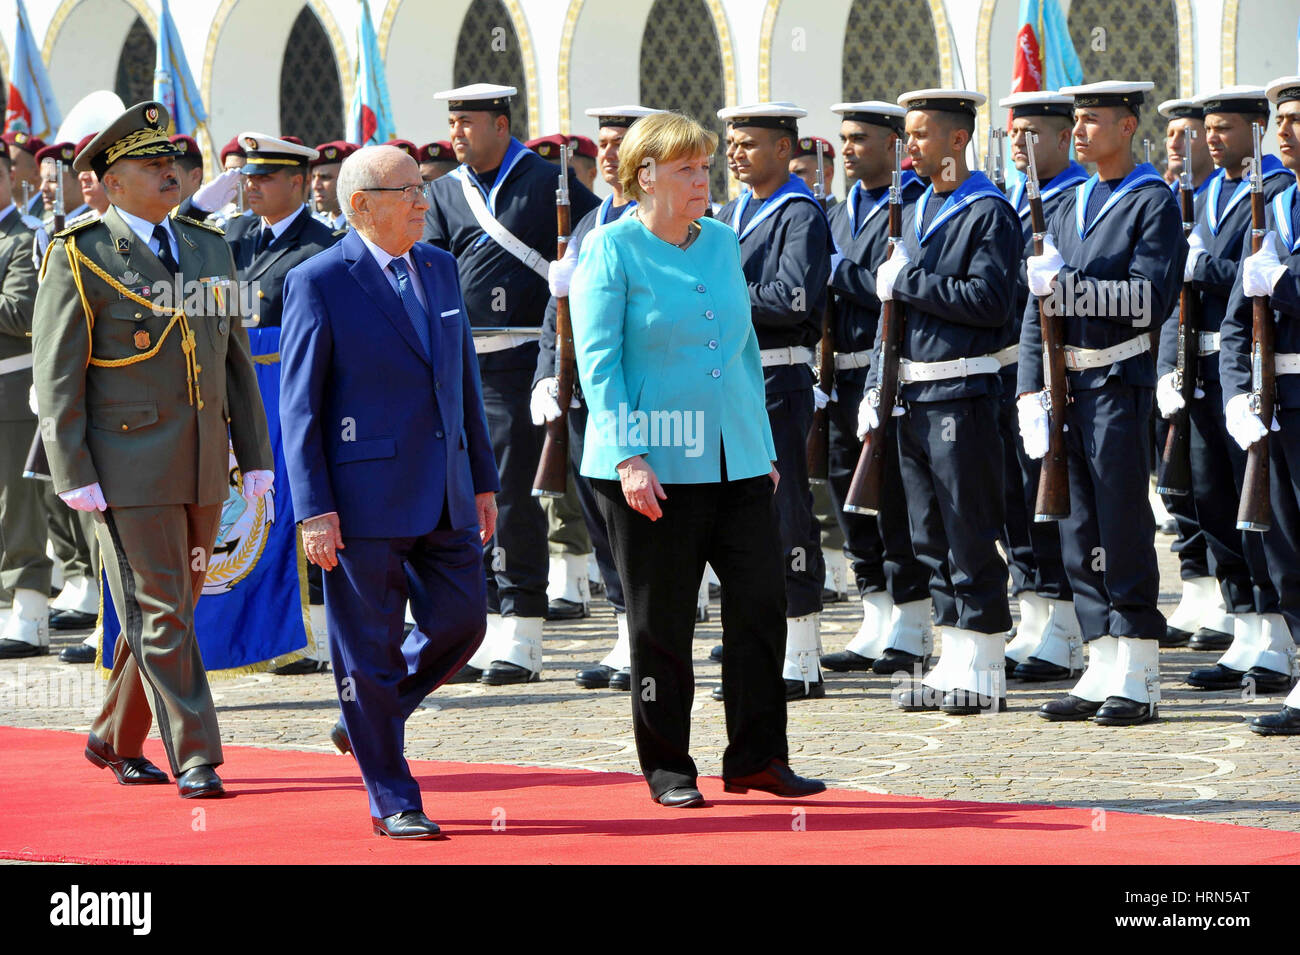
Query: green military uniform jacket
{"x": 123, "y": 401}
{"x": 17, "y": 297}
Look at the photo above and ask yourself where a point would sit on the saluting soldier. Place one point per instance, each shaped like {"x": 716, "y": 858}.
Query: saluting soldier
{"x": 1048, "y": 644}
{"x": 894, "y": 586}
{"x": 218, "y": 202}
{"x": 954, "y": 276}
{"x": 140, "y": 402}
{"x": 785, "y": 252}
{"x": 324, "y": 171}
{"x": 1274, "y": 271}
{"x": 496, "y": 214}
{"x": 1111, "y": 267}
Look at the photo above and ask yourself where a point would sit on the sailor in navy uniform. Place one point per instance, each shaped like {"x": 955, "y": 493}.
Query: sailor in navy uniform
{"x": 1218, "y": 464}
{"x": 954, "y": 275}
{"x": 496, "y": 214}
{"x": 1048, "y": 644}
{"x": 1111, "y": 269}
{"x": 897, "y": 615}
{"x": 614, "y": 671}
{"x": 1273, "y": 271}
{"x": 785, "y": 251}
{"x": 1201, "y": 616}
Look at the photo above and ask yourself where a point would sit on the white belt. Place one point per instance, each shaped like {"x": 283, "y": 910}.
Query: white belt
{"x": 1081, "y": 359}
{"x": 1209, "y": 343}
{"x": 846, "y": 360}
{"x": 1008, "y": 356}
{"x": 1286, "y": 364}
{"x": 790, "y": 355}
{"x": 17, "y": 363}
{"x": 910, "y": 371}
{"x": 491, "y": 343}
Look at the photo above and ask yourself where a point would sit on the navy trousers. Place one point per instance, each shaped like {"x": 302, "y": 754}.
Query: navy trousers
{"x": 591, "y": 513}
{"x": 790, "y": 411}
{"x": 1279, "y": 542}
{"x": 1190, "y": 546}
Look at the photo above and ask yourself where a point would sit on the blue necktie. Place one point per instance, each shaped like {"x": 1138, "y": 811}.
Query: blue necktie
{"x": 414, "y": 310}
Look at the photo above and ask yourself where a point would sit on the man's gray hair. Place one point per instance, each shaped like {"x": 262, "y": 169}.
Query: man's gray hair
{"x": 359, "y": 172}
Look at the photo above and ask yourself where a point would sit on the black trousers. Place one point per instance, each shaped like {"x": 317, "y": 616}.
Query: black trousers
{"x": 879, "y": 547}
{"x": 731, "y": 525}
{"x": 1190, "y": 545}
{"x": 1280, "y": 541}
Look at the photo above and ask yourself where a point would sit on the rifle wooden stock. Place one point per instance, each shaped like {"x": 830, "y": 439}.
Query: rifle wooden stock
{"x": 1053, "y": 500}
{"x": 819, "y": 438}
{"x": 1175, "y": 475}
{"x": 1255, "y": 513}
{"x": 552, "y": 478}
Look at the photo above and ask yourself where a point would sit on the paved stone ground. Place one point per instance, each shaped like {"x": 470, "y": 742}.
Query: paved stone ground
{"x": 1199, "y": 761}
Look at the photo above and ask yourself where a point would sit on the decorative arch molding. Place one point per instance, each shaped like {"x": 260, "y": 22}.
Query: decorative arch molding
{"x": 1186, "y": 51}
{"x": 1228, "y": 51}
{"x": 765, "y": 34}
{"x": 564, "y": 63}
{"x": 725, "y": 47}
{"x": 64, "y": 11}
{"x": 983, "y": 70}
{"x": 528, "y": 54}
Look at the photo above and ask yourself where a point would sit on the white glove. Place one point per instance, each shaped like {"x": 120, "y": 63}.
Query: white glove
{"x": 257, "y": 483}
{"x": 888, "y": 271}
{"x": 1042, "y": 269}
{"x": 31, "y": 400}
{"x": 560, "y": 272}
{"x": 1242, "y": 423}
{"x": 868, "y": 415}
{"x": 1168, "y": 398}
{"x": 1034, "y": 424}
{"x": 216, "y": 194}
{"x": 836, "y": 259}
{"x": 1260, "y": 272}
{"x": 820, "y": 399}
{"x": 545, "y": 403}
{"x": 1195, "y": 249}
{"x": 88, "y": 498}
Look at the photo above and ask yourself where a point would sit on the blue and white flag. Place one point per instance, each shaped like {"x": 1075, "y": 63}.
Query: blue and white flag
{"x": 31, "y": 108}
{"x": 173, "y": 84}
{"x": 370, "y": 116}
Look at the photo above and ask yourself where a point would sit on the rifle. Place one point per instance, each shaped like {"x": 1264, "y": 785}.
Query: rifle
{"x": 552, "y": 475}
{"x": 1255, "y": 513}
{"x": 820, "y": 435}
{"x": 1146, "y": 147}
{"x": 1175, "y": 475}
{"x": 997, "y": 167}
{"x": 37, "y": 465}
{"x": 27, "y": 197}
{"x": 1053, "y": 500}
{"x": 60, "y": 211}
{"x": 869, "y": 475}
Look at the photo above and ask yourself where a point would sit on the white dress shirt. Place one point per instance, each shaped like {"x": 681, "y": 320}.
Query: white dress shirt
{"x": 144, "y": 229}
{"x": 281, "y": 227}
{"x": 383, "y": 258}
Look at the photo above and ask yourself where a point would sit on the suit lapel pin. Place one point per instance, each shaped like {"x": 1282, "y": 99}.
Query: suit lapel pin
{"x": 186, "y": 239}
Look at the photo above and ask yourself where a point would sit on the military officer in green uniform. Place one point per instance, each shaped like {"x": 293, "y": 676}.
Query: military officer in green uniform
{"x": 138, "y": 388}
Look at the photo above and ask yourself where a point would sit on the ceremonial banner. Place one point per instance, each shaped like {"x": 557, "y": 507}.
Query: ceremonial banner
{"x": 173, "y": 84}
{"x": 370, "y": 117}
{"x": 253, "y": 605}
{"x": 31, "y": 108}
{"x": 1045, "y": 58}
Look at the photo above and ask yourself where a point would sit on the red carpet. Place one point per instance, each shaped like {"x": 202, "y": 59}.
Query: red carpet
{"x": 295, "y": 807}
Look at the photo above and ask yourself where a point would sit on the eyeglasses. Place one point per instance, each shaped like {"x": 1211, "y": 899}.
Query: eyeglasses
{"x": 424, "y": 190}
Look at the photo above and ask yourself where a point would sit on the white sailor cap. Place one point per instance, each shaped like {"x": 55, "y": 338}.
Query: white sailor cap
{"x": 1038, "y": 103}
{"x": 266, "y": 154}
{"x": 946, "y": 101}
{"x": 767, "y": 115}
{"x": 620, "y": 116}
{"x": 478, "y": 96}
{"x": 1181, "y": 109}
{"x": 1283, "y": 90}
{"x": 1109, "y": 93}
{"x": 1235, "y": 99}
{"x": 873, "y": 111}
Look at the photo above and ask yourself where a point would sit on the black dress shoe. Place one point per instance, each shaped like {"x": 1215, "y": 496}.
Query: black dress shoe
{"x": 716, "y": 654}
{"x": 892, "y": 660}
{"x": 1285, "y": 722}
{"x": 201, "y": 782}
{"x": 72, "y": 620}
{"x": 918, "y": 698}
{"x": 1267, "y": 681}
{"x": 845, "y": 661}
{"x": 1215, "y": 641}
{"x": 1035, "y": 670}
{"x": 1174, "y": 637}
{"x": 831, "y": 596}
{"x": 466, "y": 674}
{"x": 715, "y": 591}
{"x": 561, "y": 609}
{"x": 16, "y": 649}
{"x": 301, "y": 667}
{"x": 1068, "y": 707}
{"x": 778, "y": 779}
{"x": 702, "y": 614}
{"x": 339, "y": 737}
{"x": 501, "y": 673}
{"x": 968, "y": 702}
{"x": 78, "y": 653}
{"x": 795, "y": 690}
{"x": 1217, "y": 677}
{"x": 129, "y": 770}
{"x": 717, "y": 693}
{"x": 1121, "y": 711}
{"x": 621, "y": 680}
{"x": 409, "y": 824}
{"x": 681, "y": 797}
{"x": 597, "y": 678}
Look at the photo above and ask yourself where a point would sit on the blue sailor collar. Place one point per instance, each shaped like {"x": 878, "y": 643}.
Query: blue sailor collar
{"x": 858, "y": 194}
{"x": 1283, "y": 203}
{"x": 1071, "y": 175}
{"x": 515, "y": 151}
{"x": 1268, "y": 167}
{"x": 606, "y": 215}
{"x": 976, "y": 186}
{"x": 792, "y": 189}
{"x": 1140, "y": 176}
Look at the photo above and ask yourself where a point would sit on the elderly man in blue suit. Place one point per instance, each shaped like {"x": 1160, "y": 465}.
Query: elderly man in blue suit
{"x": 387, "y": 450}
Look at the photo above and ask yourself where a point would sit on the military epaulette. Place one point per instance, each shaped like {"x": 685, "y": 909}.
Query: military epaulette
{"x": 202, "y": 225}
{"x": 76, "y": 225}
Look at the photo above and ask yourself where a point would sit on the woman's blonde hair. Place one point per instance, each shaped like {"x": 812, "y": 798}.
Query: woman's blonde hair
{"x": 660, "y": 138}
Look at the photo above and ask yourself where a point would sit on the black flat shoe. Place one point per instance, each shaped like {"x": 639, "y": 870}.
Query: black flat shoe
{"x": 1285, "y": 722}
{"x": 968, "y": 702}
{"x": 918, "y": 699}
{"x": 466, "y": 674}
{"x": 717, "y": 693}
{"x": 1210, "y": 641}
{"x": 78, "y": 653}
{"x": 892, "y": 660}
{"x": 72, "y": 620}
{"x": 339, "y": 737}
{"x": 1267, "y": 681}
{"x": 561, "y": 609}
{"x": 1068, "y": 707}
{"x": 201, "y": 782}
{"x": 795, "y": 690}
{"x": 1217, "y": 677}
{"x": 1035, "y": 670}
{"x": 1174, "y": 637}
{"x": 596, "y": 678}
{"x": 17, "y": 649}
{"x": 716, "y": 654}
{"x": 846, "y": 661}
{"x": 301, "y": 667}
{"x": 681, "y": 797}
{"x": 1121, "y": 711}
{"x": 621, "y": 680}
{"x": 410, "y": 824}
{"x": 129, "y": 770}
{"x": 501, "y": 673}
{"x": 776, "y": 778}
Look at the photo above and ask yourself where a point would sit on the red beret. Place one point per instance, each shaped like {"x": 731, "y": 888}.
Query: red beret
{"x": 84, "y": 141}
{"x": 440, "y": 151}
{"x": 547, "y": 146}
{"x": 24, "y": 141}
{"x": 582, "y": 146}
{"x": 336, "y": 150}
{"x": 64, "y": 152}
{"x": 188, "y": 146}
{"x": 807, "y": 146}
{"x": 232, "y": 148}
{"x": 404, "y": 145}
{"x": 293, "y": 139}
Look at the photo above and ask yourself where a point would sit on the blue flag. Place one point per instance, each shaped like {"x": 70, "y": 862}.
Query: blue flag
{"x": 173, "y": 84}
{"x": 31, "y": 108}
{"x": 370, "y": 116}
